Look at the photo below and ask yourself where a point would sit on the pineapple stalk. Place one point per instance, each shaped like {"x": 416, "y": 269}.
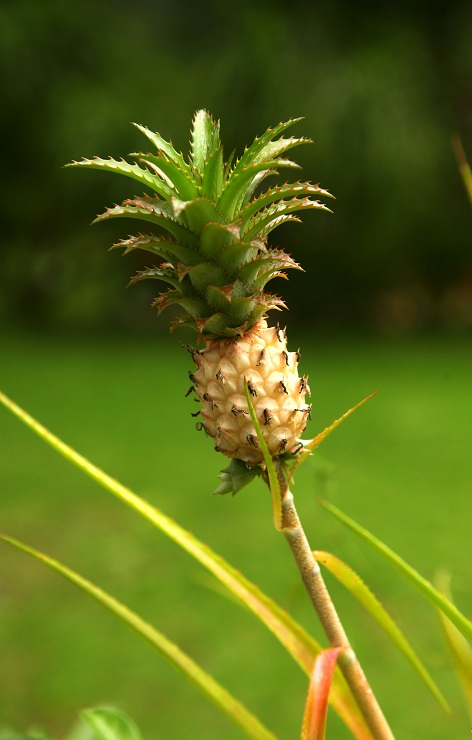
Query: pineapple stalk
{"x": 310, "y": 572}
{"x": 210, "y": 222}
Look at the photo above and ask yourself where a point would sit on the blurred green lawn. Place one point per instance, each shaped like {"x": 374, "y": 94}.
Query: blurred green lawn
{"x": 401, "y": 466}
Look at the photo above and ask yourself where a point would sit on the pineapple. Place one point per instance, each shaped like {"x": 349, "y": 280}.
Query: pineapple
{"x": 211, "y": 224}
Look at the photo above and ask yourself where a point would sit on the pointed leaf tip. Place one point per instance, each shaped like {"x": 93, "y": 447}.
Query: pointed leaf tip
{"x": 235, "y": 477}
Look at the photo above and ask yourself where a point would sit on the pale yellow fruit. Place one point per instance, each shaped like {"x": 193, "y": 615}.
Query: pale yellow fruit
{"x": 277, "y": 392}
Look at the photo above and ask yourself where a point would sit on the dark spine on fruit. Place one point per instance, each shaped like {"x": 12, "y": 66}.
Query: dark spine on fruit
{"x": 251, "y": 388}
{"x": 199, "y": 426}
{"x": 252, "y": 440}
{"x": 237, "y": 411}
{"x": 208, "y": 399}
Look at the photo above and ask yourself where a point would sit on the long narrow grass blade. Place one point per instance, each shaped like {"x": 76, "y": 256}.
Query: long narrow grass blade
{"x": 310, "y": 446}
{"x": 271, "y": 472}
{"x": 300, "y": 645}
{"x": 353, "y": 583}
{"x": 459, "y": 648}
{"x": 463, "y": 164}
{"x": 432, "y": 594}
{"x": 169, "y": 650}
{"x": 316, "y": 708}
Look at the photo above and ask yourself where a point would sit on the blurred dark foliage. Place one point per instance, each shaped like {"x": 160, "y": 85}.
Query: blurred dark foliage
{"x": 383, "y": 88}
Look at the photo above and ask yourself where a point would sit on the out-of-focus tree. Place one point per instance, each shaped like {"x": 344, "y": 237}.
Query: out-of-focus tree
{"x": 382, "y": 90}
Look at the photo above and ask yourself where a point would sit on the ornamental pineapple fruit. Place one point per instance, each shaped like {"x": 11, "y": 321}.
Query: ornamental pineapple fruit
{"x": 212, "y": 226}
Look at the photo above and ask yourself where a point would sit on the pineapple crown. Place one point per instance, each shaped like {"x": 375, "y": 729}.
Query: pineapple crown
{"x": 212, "y": 227}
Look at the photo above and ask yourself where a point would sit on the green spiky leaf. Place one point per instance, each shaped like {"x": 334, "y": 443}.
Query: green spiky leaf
{"x": 122, "y": 167}
{"x": 261, "y": 221}
{"x": 207, "y": 273}
{"x": 219, "y": 298}
{"x": 276, "y": 222}
{"x": 197, "y": 213}
{"x": 237, "y": 254}
{"x": 216, "y": 237}
{"x": 208, "y": 212}
{"x": 184, "y": 185}
{"x": 213, "y": 175}
{"x": 205, "y": 139}
{"x": 145, "y": 210}
{"x": 239, "y": 179}
{"x": 252, "y": 153}
{"x": 251, "y": 188}
{"x": 168, "y": 276}
{"x": 288, "y": 190}
{"x": 235, "y": 477}
{"x": 159, "y": 246}
{"x": 195, "y": 306}
{"x": 272, "y": 261}
{"x": 165, "y": 147}
{"x": 276, "y": 148}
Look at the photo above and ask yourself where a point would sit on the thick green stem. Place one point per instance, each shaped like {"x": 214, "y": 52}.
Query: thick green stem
{"x": 315, "y": 585}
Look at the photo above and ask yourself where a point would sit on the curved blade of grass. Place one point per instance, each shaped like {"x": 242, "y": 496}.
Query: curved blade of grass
{"x": 271, "y": 472}
{"x": 459, "y": 648}
{"x": 463, "y": 164}
{"x": 355, "y": 585}
{"x": 310, "y": 446}
{"x": 463, "y": 624}
{"x": 169, "y": 650}
{"x": 299, "y": 644}
{"x": 316, "y": 708}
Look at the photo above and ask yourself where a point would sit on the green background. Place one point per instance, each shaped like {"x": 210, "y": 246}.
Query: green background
{"x": 386, "y": 302}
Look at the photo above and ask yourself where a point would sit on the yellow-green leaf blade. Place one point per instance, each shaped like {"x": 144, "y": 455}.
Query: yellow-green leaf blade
{"x": 463, "y": 164}
{"x": 169, "y": 650}
{"x": 310, "y": 446}
{"x": 271, "y": 472}
{"x": 355, "y": 585}
{"x": 425, "y": 587}
{"x": 460, "y": 650}
{"x": 299, "y": 644}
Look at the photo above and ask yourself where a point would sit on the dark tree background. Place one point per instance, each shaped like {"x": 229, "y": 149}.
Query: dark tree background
{"x": 382, "y": 88}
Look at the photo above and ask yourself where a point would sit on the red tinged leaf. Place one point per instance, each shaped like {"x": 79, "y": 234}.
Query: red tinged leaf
{"x": 316, "y": 708}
